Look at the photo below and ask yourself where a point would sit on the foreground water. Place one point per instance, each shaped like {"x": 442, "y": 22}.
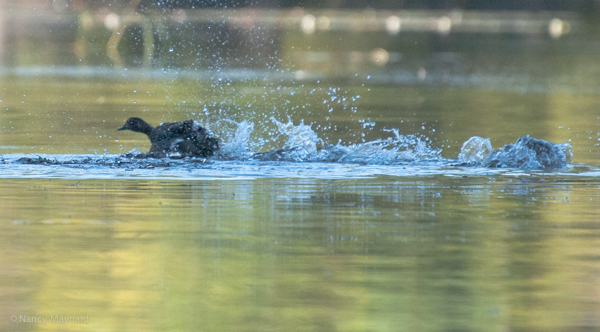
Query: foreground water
{"x": 374, "y": 223}
{"x": 439, "y": 252}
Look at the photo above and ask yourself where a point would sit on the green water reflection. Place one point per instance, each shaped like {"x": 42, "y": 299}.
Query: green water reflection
{"x": 385, "y": 254}
{"x": 81, "y": 115}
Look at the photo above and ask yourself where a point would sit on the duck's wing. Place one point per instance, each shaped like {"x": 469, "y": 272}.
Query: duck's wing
{"x": 193, "y": 129}
{"x": 202, "y": 147}
{"x": 162, "y": 148}
{"x": 183, "y": 129}
{"x": 187, "y": 138}
{"x": 163, "y": 134}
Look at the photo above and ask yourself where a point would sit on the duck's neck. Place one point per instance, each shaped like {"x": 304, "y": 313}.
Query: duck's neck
{"x": 144, "y": 128}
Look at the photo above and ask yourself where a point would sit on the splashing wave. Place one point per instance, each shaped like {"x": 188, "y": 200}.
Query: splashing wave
{"x": 304, "y": 147}
{"x": 525, "y": 153}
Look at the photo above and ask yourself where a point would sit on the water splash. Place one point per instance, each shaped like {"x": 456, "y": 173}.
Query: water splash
{"x": 525, "y": 153}
{"x": 303, "y": 144}
{"x": 396, "y": 150}
{"x": 301, "y": 140}
{"x": 235, "y": 142}
{"x": 476, "y": 151}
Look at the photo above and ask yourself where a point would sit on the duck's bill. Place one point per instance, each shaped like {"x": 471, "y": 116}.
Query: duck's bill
{"x": 122, "y": 128}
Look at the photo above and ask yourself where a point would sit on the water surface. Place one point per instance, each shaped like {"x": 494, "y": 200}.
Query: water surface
{"x": 469, "y": 252}
{"x": 396, "y": 235}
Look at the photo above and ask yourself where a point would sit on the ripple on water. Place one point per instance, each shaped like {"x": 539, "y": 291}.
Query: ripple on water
{"x": 118, "y": 167}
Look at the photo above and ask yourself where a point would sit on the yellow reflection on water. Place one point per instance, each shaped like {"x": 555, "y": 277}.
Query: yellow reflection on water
{"x": 289, "y": 254}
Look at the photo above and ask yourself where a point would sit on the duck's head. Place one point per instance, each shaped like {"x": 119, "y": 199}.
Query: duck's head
{"x": 137, "y": 125}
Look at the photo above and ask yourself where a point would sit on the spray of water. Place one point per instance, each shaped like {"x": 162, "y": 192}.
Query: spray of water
{"x": 303, "y": 144}
{"x": 525, "y": 153}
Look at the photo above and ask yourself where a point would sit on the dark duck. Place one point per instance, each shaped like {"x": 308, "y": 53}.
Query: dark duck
{"x": 175, "y": 139}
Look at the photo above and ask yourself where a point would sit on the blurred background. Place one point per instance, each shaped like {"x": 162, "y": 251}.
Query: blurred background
{"x": 334, "y": 35}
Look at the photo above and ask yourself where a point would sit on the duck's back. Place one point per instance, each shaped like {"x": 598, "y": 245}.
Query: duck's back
{"x": 187, "y": 138}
